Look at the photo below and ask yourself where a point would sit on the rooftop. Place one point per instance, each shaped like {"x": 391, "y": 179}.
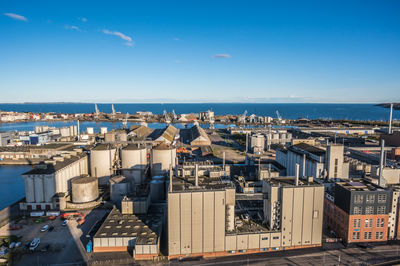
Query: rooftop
{"x": 181, "y": 184}
{"x": 359, "y": 185}
{"x": 309, "y": 148}
{"x": 50, "y": 168}
{"x": 290, "y": 181}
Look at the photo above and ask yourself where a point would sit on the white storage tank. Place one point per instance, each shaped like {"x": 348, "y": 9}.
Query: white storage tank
{"x": 103, "y": 130}
{"x": 119, "y": 188}
{"x": 162, "y": 157}
{"x": 101, "y": 162}
{"x": 29, "y": 189}
{"x": 84, "y": 189}
{"x": 90, "y": 130}
{"x": 157, "y": 190}
{"x": 134, "y": 162}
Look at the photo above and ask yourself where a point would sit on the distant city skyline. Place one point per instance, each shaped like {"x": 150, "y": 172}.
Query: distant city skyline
{"x": 200, "y": 51}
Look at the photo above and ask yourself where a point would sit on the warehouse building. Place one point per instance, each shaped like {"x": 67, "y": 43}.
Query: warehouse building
{"x": 199, "y": 137}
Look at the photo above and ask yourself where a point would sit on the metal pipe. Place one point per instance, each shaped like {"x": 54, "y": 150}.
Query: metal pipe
{"x": 304, "y": 165}
{"x": 297, "y": 174}
{"x": 390, "y": 118}
{"x": 170, "y": 178}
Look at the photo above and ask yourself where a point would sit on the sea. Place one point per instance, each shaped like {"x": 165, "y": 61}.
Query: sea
{"x": 12, "y": 184}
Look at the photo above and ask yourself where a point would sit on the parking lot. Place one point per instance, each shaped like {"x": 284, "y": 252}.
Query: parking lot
{"x": 63, "y": 244}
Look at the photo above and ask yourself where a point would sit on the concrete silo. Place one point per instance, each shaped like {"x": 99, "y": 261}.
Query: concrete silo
{"x": 39, "y": 191}
{"x": 84, "y": 189}
{"x": 134, "y": 162}
{"x": 162, "y": 157}
{"x": 102, "y": 159}
{"x": 29, "y": 189}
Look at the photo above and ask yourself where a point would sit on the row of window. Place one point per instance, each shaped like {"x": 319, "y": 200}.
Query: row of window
{"x": 368, "y": 235}
{"x": 380, "y": 222}
{"x": 369, "y": 210}
{"x": 370, "y": 198}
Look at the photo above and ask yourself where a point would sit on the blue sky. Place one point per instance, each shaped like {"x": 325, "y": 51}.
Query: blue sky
{"x": 200, "y": 51}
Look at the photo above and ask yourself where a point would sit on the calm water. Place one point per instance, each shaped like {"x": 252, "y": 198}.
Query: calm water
{"x": 12, "y": 186}
{"x": 287, "y": 110}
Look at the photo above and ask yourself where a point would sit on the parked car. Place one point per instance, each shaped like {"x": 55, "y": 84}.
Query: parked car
{"x": 34, "y": 244}
{"x": 44, "y": 228}
{"x": 18, "y": 244}
{"x": 12, "y": 245}
{"x": 65, "y": 223}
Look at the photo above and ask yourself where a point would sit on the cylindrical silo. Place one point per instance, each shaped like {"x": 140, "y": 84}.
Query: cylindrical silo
{"x": 101, "y": 162}
{"x": 162, "y": 157}
{"x": 103, "y": 130}
{"x": 29, "y": 189}
{"x": 90, "y": 130}
{"x": 84, "y": 189}
{"x": 134, "y": 162}
{"x": 39, "y": 197}
{"x": 49, "y": 188}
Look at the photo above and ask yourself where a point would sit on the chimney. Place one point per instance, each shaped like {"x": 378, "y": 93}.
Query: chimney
{"x": 381, "y": 181}
{"x": 196, "y": 174}
{"x": 390, "y": 118}
{"x": 297, "y": 174}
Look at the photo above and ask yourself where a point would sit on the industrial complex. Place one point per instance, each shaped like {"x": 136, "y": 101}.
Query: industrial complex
{"x": 176, "y": 193}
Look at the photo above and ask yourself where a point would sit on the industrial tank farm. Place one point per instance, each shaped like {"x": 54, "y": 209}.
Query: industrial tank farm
{"x": 162, "y": 158}
{"x": 84, "y": 189}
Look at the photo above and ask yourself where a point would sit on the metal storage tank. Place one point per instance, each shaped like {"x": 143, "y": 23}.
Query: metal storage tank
{"x": 84, "y": 189}
{"x": 89, "y": 130}
{"x": 101, "y": 162}
{"x": 118, "y": 189}
{"x": 157, "y": 190}
{"x": 134, "y": 162}
{"x": 103, "y": 130}
{"x": 162, "y": 157}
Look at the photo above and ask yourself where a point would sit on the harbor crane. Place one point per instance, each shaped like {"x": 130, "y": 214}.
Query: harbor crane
{"x": 125, "y": 122}
{"x": 167, "y": 120}
{"x": 174, "y": 115}
{"x": 278, "y": 115}
{"x": 242, "y": 118}
{"x": 113, "y": 110}
{"x": 97, "y": 112}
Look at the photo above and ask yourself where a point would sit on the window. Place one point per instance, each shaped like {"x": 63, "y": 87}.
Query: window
{"x": 276, "y": 237}
{"x": 382, "y": 198}
{"x": 355, "y": 235}
{"x": 356, "y": 223}
{"x": 377, "y": 235}
{"x": 368, "y": 222}
{"x": 358, "y": 235}
{"x": 357, "y": 210}
{"x": 265, "y": 238}
{"x": 369, "y": 235}
{"x": 365, "y": 235}
{"x": 382, "y": 222}
{"x": 381, "y": 209}
{"x": 369, "y": 210}
{"x": 380, "y": 235}
{"x": 370, "y": 198}
{"x": 358, "y": 198}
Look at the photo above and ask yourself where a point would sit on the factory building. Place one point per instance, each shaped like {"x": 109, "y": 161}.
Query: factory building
{"x": 46, "y": 182}
{"x": 314, "y": 161}
{"x": 199, "y": 137}
{"x": 206, "y": 116}
{"x": 139, "y": 234}
{"x": 5, "y": 138}
{"x": 139, "y": 132}
{"x": 167, "y": 135}
{"x": 358, "y": 211}
{"x": 206, "y": 220}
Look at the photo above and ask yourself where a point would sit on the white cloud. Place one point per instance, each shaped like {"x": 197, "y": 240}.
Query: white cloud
{"x": 176, "y": 39}
{"x": 83, "y": 19}
{"x": 222, "y": 56}
{"x": 124, "y": 37}
{"x": 72, "y": 28}
{"x": 15, "y": 16}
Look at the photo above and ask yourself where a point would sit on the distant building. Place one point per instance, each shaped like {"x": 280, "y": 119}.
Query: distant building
{"x": 5, "y": 138}
{"x": 257, "y": 143}
{"x": 199, "y": 137}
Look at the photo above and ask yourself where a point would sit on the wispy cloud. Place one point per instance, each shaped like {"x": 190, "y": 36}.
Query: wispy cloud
{"x": 15, "y": 16}
{"x": 67, "y": 27}
{"x": 222, "y": 56}
{"x": 82, "y": 19}
{"x": 176, "y": 39}
{"x": 124, "y": 37}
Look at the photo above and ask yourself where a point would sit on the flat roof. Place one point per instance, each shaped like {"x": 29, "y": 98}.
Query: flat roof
{"x": 309, "y": 148}
{"x": 181, "y": 184}
{"x": 48, "y": 168}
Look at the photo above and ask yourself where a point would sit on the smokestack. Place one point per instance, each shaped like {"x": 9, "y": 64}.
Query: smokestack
{"x": 196, "y": 174}
{"x": 297, "y": 174}
{"x": 381, "y": 181}
{"x": 304, "y": 166}
{"x": 170, "y": 178}
{"x": 390, "y": 118}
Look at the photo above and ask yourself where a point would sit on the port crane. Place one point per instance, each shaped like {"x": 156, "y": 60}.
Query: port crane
{"x": 242, "y": 118}
{"x": 167, "y": 120}
{"x": 97, "y": 112}
{"x": 174, "y": 115}
{"x": 113, "y": 110}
